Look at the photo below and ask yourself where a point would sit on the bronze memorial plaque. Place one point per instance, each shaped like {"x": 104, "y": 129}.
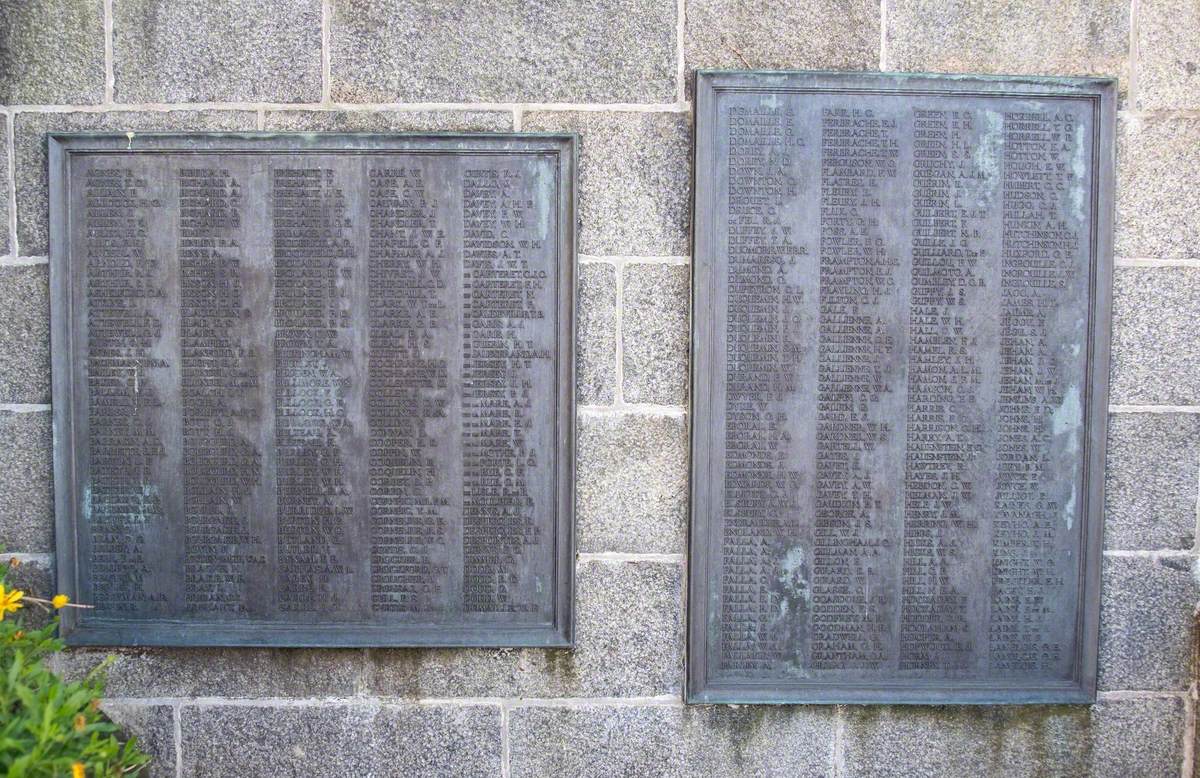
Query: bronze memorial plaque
{"x": 314, "y": 390}
{"x": 901, "y": 333}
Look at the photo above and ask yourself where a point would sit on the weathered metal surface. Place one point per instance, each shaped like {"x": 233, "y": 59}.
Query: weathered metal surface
{"x": 314, "y": 389}
{"x": 900, "y": 380}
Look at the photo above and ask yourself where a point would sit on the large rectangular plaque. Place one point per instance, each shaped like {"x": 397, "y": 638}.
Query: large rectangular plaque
{"x": 902, "y": 301}
{"x": 314, "y": 389}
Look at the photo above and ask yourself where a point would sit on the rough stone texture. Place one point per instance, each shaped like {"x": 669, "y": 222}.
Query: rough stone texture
{"x": 1158, "y": 163}
{"x": 338, "y": 740}
{"x": 600, "y": 741}
{"x": 215, "y": 672}
{"x": 1168, "y": 69}
{"x": 51, "y": 51}
{"x": 1151, "y": 485}
{"x": 1146, "y": 630}
{"x": 1031, "y": 37}
{"x": 34, "y": 578}
{"x": 1156, "y": 356}
{"x": 217, "y": 51}
{"x": 6, "y": 188}
{"x": 654, "y": 333}
{"x": 25, "y": 334}
{"x": 33, "y": 207}
{"x": 26, "y": 473}
{"x": 388, "y": 121}
{"x": 596, "y": 340}
{"x": 631, "y": 491}
{"x": 634, "y": 179}
{"x": 820, "y": 35}
{"x": 561, "y": 51}
{"x": 154, "y": 728}
{"x": 629, "y": 643}
{"x": 759, "y": 740}
{"x": 1114, "y": 738}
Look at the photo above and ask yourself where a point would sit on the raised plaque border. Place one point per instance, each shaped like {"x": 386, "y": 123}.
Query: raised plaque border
{"x": 69, "y": 404}
{"x": 708, "y": 85}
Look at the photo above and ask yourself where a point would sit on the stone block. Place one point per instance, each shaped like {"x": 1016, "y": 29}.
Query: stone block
{"x": 388, "y": 121}
{"x": 1146, "y": 623}
{"x": 221, "y": 672}
{"x": 340, "y": 740}
{"x": 217, "y": 51}
{"x": 634, "y": 179}
{"x": 755, "y": 741}
{"x": 1155, "y": 354}
{"x": 1168, "y": 69}
{"x": 765, "y": 35}
{"x": 1158, "y": 164}
{"x": 596, "y": 322}
{"x": 632, "y": 483}
{"x": 33, "y": 203}
{"x": 574, "y": 51}
{"x": 629, "y": 643}
{"x": 654, "y": 333}
{"x": 1151, "y": 480}
{"x": 27, "y": 476}
{"x": 51, "y": 51}
{"x": 600, "y": 741}
{"x": 1033, "y": 37}
{"x": 154, "y": 728}
{"x": 1111, "y": 738}
{"x": 35, "y": 578}
{"x": 25, "y": 334}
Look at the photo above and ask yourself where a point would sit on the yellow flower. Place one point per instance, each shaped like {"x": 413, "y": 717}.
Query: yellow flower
{"x": 80, "y": 722}
{"x": 59, "y": 601}
{"x": 10, "y": 601}
{"x": 77, "y": 770}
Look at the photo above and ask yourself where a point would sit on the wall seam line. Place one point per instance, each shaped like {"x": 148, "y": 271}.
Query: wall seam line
{"x": 10, "y": 144}
{"x": 177, "y": 720}
{"x": 505, "y": 743}
{"x": 883, "y": 9}
{"x": 680, "y": 58}
{"x": 110, "y": 78}
{"x": 352, "y": 107}
{"x": 326, "y": 67}
{"x": 1134, "y": 52}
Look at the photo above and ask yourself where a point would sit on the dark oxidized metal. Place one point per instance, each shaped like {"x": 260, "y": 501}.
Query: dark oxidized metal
{"x": 901, "y": 331}
{"x": 314, "y": 390}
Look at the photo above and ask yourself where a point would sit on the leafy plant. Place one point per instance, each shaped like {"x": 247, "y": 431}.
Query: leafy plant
{"x": 49, "y": 727}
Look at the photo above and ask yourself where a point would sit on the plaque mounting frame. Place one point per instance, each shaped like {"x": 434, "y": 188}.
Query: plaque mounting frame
{"x": 703, "y": 540}
{"x": 70, "y": 398}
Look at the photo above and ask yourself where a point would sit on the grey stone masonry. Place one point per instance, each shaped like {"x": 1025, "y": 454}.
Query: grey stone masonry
{"x": 618, "y": 73}
{"x": 217, "y": 51}
{"x": 24, "y": 333}
{"x": 569, "y": 51}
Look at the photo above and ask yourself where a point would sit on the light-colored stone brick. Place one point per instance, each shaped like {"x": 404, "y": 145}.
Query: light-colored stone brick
{"x": 154, "y": 728}
{"x": 1168, "y": 68}
{"x": 388, "y": 121}
{"x": 796, "y": 741}
{"x": 221, "y": 672}
{"x": 33, "y": 204}
{"x": 26, "y": 476}
{"x": 1114, "y": 739}
{"x": 1158, "y": 164}
{"x": 767, "y": 35}
{"x": 51, "y": 51}
{"x": 629, "y": 643}
{"x": 1146, "y": 625}
{"x": 599, "y": 741}
{"x": 1155, "y": 354}
{"x": 217, "y": 51}
{"x": 632, "y": 483}
{"x": 654, "y": 333}
{"x": 341, "y": 740}
{"x": 25, "y": 334}
{"x": 1151, "y": 485}
{"x": 1031, "y": 37}
{"x": 596, "y": 360}
{"x": 565, "y": 51}
{"x": 634, "y": 179}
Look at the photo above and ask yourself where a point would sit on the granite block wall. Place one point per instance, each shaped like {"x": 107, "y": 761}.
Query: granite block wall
{"x": 617, "y": 72}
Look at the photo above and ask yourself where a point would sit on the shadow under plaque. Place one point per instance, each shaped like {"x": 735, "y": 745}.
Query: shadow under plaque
{"x": 314, "y": 390}
{"x": 901, "y": 340}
